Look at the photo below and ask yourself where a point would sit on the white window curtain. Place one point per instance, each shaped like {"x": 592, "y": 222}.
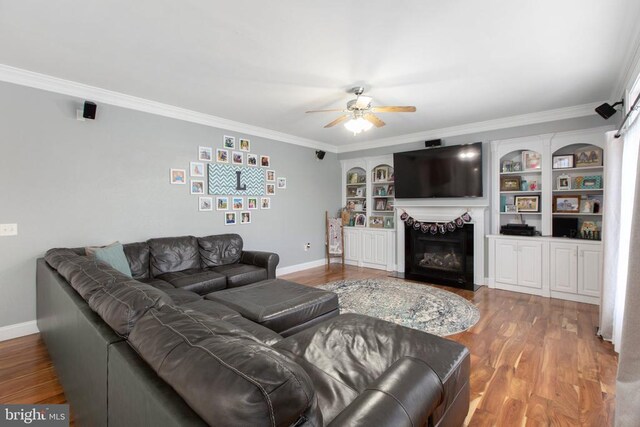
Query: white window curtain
{"x": 619, "y": 313}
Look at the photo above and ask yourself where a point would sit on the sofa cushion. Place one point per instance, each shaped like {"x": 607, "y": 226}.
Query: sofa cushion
{"x": 241, "y": 274}
{"x": 182, "y": 296}
{"x": 277, "y": 304}
{"x": 196, "y": 280}
{"x": 122, "y": 303}
{"x": 170, "y": 254}
{"x": 113, "y": 255}
{"x": 352, "y": 338}
{"x": 157, "y": 283}
{"x": 222, "y": 371}
{"x": 138, "y": 257}
{"x": 220, "y": 249}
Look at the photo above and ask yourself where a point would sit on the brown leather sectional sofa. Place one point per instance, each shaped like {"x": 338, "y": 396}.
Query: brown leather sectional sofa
{"x": 204, "y": 334}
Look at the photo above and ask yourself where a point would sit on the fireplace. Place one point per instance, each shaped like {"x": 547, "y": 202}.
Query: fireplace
{"x": 444, "y": 259}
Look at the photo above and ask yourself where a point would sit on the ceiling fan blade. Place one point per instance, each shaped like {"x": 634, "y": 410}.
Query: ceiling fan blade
{"x": 325, "y": 111}
{"x": 374, "y": 119}
{"x": 338, "y": 120}
{"x": 394, "y": 109}
{"x": 362, "y": 102}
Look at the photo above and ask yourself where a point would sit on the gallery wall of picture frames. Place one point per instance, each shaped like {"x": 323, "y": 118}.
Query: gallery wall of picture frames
{"x": 231, "y": 179}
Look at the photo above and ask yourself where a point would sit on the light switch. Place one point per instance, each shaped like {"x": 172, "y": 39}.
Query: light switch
{"x": 8, "y": 229}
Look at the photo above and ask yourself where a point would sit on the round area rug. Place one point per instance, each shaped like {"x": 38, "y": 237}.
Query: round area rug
{"x": 408, "y": 304}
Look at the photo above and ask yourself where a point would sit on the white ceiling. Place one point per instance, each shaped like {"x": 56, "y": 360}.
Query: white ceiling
{"x": 265, "y": 63}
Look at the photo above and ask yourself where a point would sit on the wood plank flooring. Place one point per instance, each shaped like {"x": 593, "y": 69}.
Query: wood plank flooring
{"x": 534, "y": 361}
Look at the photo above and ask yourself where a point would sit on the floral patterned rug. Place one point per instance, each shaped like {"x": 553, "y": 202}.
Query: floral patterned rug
{"x": 413, "y": 305}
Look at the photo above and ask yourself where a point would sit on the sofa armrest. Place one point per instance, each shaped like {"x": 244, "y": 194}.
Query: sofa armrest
{"x": 268, "y": 260}
{"x": 404, "y": 395}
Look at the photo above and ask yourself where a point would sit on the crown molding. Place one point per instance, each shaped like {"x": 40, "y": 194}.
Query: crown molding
{"x": 489, "y": 125}
{"x": 79, "y": 90}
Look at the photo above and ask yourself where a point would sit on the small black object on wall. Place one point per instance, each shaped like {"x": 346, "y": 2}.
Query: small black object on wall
{"x": 320, "y": 154}
{"x": 433, "y": 143}
{"x": 89, "y": 111}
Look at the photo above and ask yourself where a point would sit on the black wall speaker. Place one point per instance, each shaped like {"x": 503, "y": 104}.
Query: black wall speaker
{"x": 320, "y": 154}
{"x": 565, "y": 227}
{"x": 433, "y": 143}
{"x": 89, "y": 111}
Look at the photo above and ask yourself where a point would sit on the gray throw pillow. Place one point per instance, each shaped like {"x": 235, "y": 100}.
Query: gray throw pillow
{"x": 113, "y": 255}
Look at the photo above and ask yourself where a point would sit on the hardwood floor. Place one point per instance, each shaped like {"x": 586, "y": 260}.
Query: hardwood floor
{"x": 534, "y": 361}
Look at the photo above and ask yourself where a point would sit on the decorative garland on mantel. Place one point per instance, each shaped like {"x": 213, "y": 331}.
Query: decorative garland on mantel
{"x": 435, "y": 227}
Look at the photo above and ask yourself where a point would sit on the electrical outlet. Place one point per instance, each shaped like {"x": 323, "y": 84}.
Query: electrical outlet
{"x": 307, "y": 247}
{"x": 8, "y": 229}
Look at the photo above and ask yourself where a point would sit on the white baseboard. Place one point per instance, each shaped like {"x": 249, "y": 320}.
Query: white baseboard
{"x": 299, "y": 267}
{"x": 18, "y": 330}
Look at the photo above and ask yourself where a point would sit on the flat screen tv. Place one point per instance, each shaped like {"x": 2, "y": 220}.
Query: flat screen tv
{"x": 449, "y": 171}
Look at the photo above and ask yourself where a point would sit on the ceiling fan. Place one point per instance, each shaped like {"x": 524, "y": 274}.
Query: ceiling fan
{"x": 360, "y": 113}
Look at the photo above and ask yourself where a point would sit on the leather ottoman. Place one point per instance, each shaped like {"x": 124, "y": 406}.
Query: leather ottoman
{"x": 282, "y": 306}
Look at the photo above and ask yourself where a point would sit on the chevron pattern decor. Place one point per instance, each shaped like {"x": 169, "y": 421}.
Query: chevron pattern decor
{"x": 223, "y": 180}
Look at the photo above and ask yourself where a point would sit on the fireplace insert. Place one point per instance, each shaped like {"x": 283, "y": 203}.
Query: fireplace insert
{"x": 444, "y": 259}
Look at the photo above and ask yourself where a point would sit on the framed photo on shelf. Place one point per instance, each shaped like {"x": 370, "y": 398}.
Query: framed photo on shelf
{"x": 380, "y": 190}
{"x": 352, "y": 191}
{"x": 563, "y": 182}
{"x": 507, "y": 166}
{"x": 528, "y": 203}
{"x": 390, "y": 190}
{"x": 586, "y": 206}
{"x": 516, "y": 167}
{"x": 376, "y": 222}
{"x": 381, "y": 204}
{"x": 591, "y": 182}
{"x": 563, "y": 162}
{"x": 361, "y": 220}
{"x": 586, "y": 157}
{"x": 381, "y": 173}
{"x": 510, "y": 209}
{"x": 531, "y": 160}
{"x": 510, "y": 183}
{"x": 566, "y": 204}
{"x": 359, "y": 192}
{"x": 388, "y": 222}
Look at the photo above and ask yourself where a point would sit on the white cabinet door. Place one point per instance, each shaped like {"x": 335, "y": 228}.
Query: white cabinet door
{"x": 351, "y": 245}
{"x": 530, "y": 264}
{"x": 380, "y": 244}
{"x": 564, "y": 267}
{"x": 368, "y": 247}
{"x": 506, "y": 262}
{"x": 589, "y": 270}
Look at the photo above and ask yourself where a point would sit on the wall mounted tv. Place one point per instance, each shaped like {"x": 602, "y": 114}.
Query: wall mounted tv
{"x": 448, "y": 171}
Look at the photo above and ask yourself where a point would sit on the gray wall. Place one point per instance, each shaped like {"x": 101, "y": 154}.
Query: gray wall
{"x": 69, "y": 183}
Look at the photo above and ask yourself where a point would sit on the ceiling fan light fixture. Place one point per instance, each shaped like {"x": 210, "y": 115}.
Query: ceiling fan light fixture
{"x": 357, "y": 125}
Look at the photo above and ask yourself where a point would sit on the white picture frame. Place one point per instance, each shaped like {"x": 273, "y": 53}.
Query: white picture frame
{"x": 237, "y": 157}
{"x": 252, "y": 203}
{"x": 245, "y": 217}
{"x": 271, "y": 189}
{"x": 229, "y": 142}
{"x": 205, "y": 204}
{"x": 222, "y": 155}
{"x": 282, "y": 183}
{"x": 205, "y": 154}
{"x": 230, "y": 218}
{"x": 197, "y": 186}
{"x": 222, "y": 203}
{"x": 237, "y": 203}
{"x": 563, "y": 182}
{"x": 244, "y": 144}
{"x": 265, "y": 203}
{"x": 252, "y": 159}
{"x": 178, "y": 176}
{"x": 270, "y": 175}
{"x": 196, "y": 169}
{"x": 265, "y": 161}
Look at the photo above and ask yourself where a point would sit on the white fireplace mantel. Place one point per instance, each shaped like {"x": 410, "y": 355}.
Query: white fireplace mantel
{"x": 445, "y": 213}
